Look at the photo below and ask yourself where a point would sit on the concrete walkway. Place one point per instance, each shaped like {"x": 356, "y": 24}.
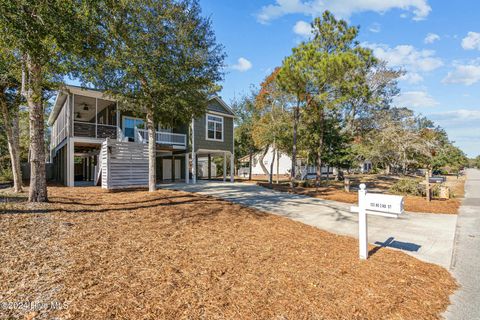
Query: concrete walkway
{"x": 428, "y": 237}
{"x": 466, "y": 258}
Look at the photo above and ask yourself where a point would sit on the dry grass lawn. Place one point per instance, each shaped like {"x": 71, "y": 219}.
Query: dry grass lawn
{"x": 174, "y": 255}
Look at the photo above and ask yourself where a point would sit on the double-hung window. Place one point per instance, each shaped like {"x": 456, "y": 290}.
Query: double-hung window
{"x": 214, "y": 127}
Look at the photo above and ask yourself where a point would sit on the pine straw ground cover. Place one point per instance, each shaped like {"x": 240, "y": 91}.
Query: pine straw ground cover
{"x": 175, "y": 255}
{"x": 335, "y": 192}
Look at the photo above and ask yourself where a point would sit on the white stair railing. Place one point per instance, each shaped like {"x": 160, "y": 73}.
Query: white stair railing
{"x": 168, "y": 138}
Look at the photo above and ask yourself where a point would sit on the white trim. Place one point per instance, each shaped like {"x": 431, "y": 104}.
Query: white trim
{"x": 224, "y": 166}
{"x": 117, "y": 115}
{"x": 96, "y": 117}
{"x": 206, "y": 127}
{"x": 232, "y": 168}
{"x": 70, "y": 163}
{"x": 187, "y": 171}
{"x": 221, "y": 114}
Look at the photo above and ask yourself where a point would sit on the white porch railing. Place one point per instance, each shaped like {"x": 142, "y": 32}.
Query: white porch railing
{"x": 166, "y": 138}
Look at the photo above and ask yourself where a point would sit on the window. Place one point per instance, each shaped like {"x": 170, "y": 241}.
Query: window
{"x": 214, "y": 127}
{"x": 129, "y": 125}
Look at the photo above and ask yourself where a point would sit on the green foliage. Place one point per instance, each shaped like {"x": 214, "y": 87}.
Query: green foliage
{"x": 247, "y": 116}
{"x": 408, "y": 186}
{"x": 450, "y": 158}
{"x": 162, "y": 57}
{"x": 474, "y": 163}
{"x": 50, "y": 34}
{"x": 273, "y": 124}
{"x": 329, "y": 78}
{"x": 6, "y": 174}
{"x": 412, "y": 187}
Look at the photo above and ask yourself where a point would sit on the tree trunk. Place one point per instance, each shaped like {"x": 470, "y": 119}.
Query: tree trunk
{"x": 318, "y": 164}
{"x": 318, "y": 177}
{"x": 262, "y": 157}
{"x": 152, "y": 155}
{"x": 38, "y": 178}
{"x": 250, "y": 166}
{"x": 11, "y": 129}
{"x": 296, "y": 115}
{"x": 270, "y": 177}
{"x": 278, "y": 166}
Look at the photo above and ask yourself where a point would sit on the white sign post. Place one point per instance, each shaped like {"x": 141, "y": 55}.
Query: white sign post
{"x": 374, "y": 204}
{"x": 362, "y": 223}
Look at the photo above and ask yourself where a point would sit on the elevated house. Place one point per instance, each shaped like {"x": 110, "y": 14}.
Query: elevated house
{"x": 94, "y": 142}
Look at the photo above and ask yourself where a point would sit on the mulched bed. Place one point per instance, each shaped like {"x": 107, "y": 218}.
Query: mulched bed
{"x": 335, "y": 193}
{"x": 175, "y": 255}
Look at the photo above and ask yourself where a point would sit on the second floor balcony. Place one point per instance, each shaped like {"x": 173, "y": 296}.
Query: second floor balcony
{"x": 163, "y": 137}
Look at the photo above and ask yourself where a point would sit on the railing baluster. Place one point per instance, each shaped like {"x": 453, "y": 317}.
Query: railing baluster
{"x": 162, "y": 137}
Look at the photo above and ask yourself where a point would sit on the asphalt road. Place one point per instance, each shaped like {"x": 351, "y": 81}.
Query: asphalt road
{"x": 466, "y": 254}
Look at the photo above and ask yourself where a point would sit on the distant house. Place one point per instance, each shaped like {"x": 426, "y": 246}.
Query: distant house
{"x": 284, "y": 162}
{"x": 366, "y": 166}
{"x": 95, "y": 142}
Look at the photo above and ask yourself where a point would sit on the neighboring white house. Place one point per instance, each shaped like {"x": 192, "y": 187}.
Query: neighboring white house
{"x": 284, "y": 165}
{"x": 203, "y": 168}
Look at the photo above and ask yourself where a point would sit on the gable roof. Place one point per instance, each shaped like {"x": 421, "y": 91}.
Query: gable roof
{"x": 224, "y": 107}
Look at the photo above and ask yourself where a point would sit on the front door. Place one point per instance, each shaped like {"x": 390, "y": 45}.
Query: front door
{"x": 178, "y": 169}
{"x": 167, "y": 169}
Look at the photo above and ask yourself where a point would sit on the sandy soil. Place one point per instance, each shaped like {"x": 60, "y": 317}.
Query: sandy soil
{"x": 174, "y": 255}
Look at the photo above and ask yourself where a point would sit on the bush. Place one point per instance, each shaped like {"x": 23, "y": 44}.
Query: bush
{"x": 414, "y": 188}
{"x": 307, "y": 183}
{"x": 6, "y": 174}
{"x": 408, "y": 186}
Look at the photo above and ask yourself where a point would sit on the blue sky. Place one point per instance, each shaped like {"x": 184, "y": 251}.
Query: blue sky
{"x": 436, "y": 42}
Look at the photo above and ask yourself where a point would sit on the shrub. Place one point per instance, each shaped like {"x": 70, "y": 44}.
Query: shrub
{"x": 408, "y": 186}
{"x": 6, "y": 174}
{"x": 307, "y": 183}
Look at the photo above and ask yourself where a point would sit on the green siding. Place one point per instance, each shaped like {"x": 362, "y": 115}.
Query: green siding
{"x": 200, "y": 135}
{"x": 214, "y": 105}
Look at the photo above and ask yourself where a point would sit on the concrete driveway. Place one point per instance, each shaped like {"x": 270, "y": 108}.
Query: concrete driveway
{"x": 429, "y": 237}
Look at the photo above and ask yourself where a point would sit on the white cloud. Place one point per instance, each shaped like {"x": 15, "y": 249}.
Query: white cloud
{"x": 242, "y": 65}
{"x": 415, "y": 99}
{"x": 375, "y": 28}
{"x": 302, "y": 28}
{"x": 341, "y": 8}
{"x": 431, "y": 38}
{"x": 406, "y": 56}
{"x": 457, "y": 115}
{"x": 412, "y": 77}
{"x": 471, "y": 41}
{"x": 465, "y": 74}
